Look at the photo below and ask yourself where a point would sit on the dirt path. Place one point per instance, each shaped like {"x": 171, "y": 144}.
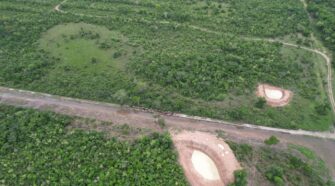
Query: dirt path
{"x": 321, "y": 142}
{"x": 325, "y": 56}
{"x": 58, "y": 7}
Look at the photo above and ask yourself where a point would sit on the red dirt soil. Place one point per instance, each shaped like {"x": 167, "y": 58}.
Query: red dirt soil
{"x": 283, "y": 101}
{"x": 216, "y": 149}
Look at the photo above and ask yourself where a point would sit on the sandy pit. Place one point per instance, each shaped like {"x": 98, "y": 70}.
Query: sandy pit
{"x": 274, "y": 96}
{"x": 206, "y": 159}
{"x": 204, "y": 165}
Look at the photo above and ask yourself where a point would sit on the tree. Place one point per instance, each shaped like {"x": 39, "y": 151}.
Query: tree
{"x": 260, "y": 103}
{"x": 121, "y": 96}
{"x": 275, "y": 174}
{"x": 94, "y": 60}
{"x": 117, "y": 54}
{"x": 241, "y": 178}
{"x": 322, "y": 108}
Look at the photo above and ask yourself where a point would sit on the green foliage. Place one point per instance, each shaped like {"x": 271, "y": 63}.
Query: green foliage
{"x": 121, "y": 96}
{"x": 273, "y": 140}
{"x": 261, "y": 102}
{"x": 275, "y": 174}
{"x": 242, "y": 152}
{"x": 117, "y": 54}
{"x": 125, "y": 129}
{"x": 270, "y": 18}
{"x": 323, "y": 12}
{"x": 94, "y": 60}
{"x": 281, "y": 166}
{"x": 322, "y": 108}
{"x": 241, "y": 178}
{"x": 330, "y": 183}
{"x": 161, "y": 122}
{"x": 36, "y": 149}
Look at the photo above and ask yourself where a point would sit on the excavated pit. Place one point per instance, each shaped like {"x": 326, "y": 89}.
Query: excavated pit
{"x": 206, "y": 159}
{"x": 274, "y": 96}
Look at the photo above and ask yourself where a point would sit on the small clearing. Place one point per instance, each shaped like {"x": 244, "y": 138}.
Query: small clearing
{"x": 274, "y": 96}
{"x": 206, "y": 159}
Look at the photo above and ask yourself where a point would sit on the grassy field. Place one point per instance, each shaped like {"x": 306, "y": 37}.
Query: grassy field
{"x": 150, "y": 54}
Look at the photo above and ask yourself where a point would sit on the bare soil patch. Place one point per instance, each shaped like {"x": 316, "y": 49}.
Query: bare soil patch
{"x": 274, "y": 96}
{"x": 206, "y": 159}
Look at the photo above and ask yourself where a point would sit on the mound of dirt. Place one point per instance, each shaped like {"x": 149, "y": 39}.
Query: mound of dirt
{"x": 274, "y": 96}
{"x": 206, "y": 159}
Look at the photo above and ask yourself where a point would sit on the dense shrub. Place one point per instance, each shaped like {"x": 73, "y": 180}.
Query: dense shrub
{"x": 241, "y": 178}
{"x": 323, "y": 11}
{"x": 275, "y": 174}
{"x": 36, "y": 149}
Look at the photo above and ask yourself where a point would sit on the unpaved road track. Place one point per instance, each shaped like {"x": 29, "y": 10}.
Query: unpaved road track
{"x": 321, "y": 142}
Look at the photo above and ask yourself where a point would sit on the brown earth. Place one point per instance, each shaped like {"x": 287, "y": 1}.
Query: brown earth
{"x": 282, "y": 101}
{"x": 186, "y": 142}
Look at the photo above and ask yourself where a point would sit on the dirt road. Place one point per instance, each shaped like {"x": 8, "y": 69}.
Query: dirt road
{"x": 58, "y": 7}
{"x": 321, "y": 142}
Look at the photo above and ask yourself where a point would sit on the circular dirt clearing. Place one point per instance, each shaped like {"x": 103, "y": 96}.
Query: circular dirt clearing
{"x": 206, "y": 159}
{"x": 274, "y": 96}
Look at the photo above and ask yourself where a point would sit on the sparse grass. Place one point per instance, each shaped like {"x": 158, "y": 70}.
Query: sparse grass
{"x": 317, "y": 164}
{"x": 267, "y": 165}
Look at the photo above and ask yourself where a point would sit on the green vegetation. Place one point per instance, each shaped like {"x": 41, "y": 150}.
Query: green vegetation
{"x": 311, "y": 157}
{"x": 161, "y": 122}
{"x": 275, "y": 174}
{"x": 323, "y": 14}
{"x": 261, "y": 102}
{"x": 241, "y": 178}
{"x": 268, "y": 18}
{"x": 291, "y": 166}
{"x": 163, "y": 55}
{"x": 36, "y": 149}
{"x": 273, "y": 140}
